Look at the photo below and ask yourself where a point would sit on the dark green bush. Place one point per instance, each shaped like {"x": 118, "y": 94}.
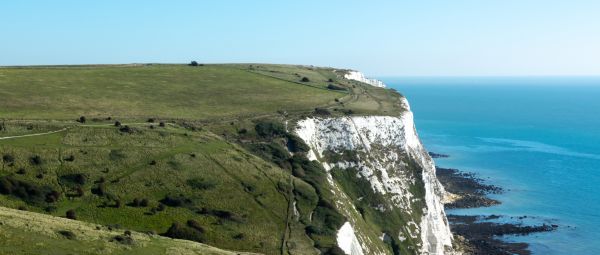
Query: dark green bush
{"x": 268, "y": 129}
{"x": 335, "y": 87}
{"x": 201, "y": 183}
{"x": 8, "y": 159}
{"x": 67, "y": 234}
{"x": 36, "y": 160}
{"x": 296, "y": 144}
{"x": 180, "y": 231}
{"x": 28, "y": 192}
{"x": 71, "y": 214}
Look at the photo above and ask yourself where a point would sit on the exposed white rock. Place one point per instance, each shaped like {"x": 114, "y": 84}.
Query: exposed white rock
{"x": 383, "y": 144}
{"x": 347, "y": 240}
{"x": 358, "y": 76}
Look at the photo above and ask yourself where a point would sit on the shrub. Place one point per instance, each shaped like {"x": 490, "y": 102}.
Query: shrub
{"x": 67, "y": 234}
{"x": 71, "y": 214}
{"x": 269, "y": 129}
{"x": 180, "y": 231}
{"x": 322, "y": 111}
{"x": 36, "y": 160}
{"x": 21, "y": 171}
{"x": 81, "y": 119}
{"x": 330, "y": 80}
{"x": 123, "y": 239}
{"x": 161, "y": 124}
{"x": 175, "y": 201}
{"x": 305, "y": 79}
{"x": 126, "y": 129}
{"x": 69, "y": 158}
{"x": 78, "y": 178}
{"x": 117, "y": 123}
{"x": 201, "y": 183}
{"x": 335, "y": 87}
{"x": 193, "y": 63}
{"x": 335, "y": 251}
{"x": 139, "y": 202}
{"x": 99, "y": 190}
{"x": 151, "y": 120}
{"x": 28, "y": 192}
{"x": 195, "y": 225}
{"x": 8, "y": 159}
{"x": 296, "y": 144}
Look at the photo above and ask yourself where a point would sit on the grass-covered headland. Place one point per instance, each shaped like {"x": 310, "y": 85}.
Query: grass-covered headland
{"x": 196, "y": 152}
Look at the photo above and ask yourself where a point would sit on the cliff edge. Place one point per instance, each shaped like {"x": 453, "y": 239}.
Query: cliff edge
{"x": 384, "y": 182}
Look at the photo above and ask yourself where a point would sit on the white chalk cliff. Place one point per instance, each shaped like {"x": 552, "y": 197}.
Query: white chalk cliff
{"x": 358, "y": 76}
{"x": 389, "y": 155}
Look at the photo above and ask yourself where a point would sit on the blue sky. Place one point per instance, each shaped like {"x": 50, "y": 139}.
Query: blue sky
{"x": 382, "y": 38}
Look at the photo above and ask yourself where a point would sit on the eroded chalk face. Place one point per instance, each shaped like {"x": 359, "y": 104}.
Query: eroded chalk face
{"x": 386, "y": 154}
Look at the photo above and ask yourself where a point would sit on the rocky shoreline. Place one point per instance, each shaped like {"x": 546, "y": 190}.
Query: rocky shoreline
{"x": 479, "y": 235}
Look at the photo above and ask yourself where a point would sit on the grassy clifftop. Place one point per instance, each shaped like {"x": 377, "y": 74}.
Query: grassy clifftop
{"x": 198, "y": 153}
{"x": 175, "y": 91}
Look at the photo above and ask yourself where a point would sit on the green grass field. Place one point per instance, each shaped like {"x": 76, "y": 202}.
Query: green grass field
{"x": 205, "y": 167}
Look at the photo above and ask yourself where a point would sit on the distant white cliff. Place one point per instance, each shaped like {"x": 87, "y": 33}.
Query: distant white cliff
{"x": 358, "y": 76}
{"x": 390, "y": 156}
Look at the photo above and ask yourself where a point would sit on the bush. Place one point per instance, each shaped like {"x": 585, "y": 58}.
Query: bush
{"x": 151, "y": 120}
{"x": 193, "y": 63}
{"x": 180, "y": 231}
{"x": 175, "y": 201}
{"x": 269, "y": 129}
{"x": 335, "y": 87}
{"x": 69, "y": 158}
{"x": 296, "y": 144}
{"x": 322, "y": 111}
{"x": 28, "y": 192}
{"x": 137, "y": 202}
{"x": 72, "y": 179}
{"x": 126, "y": 129}
{"x": 117, "y": 123}
{"x": 123, "y": 239}
{"x": 330, "y": 80}
{"x": 67, "y": 234}
{"x": 81, "y": 119}
{"x": 161, "y": 124}
{"x": 71, "y": 214}
{"x": 21, "y": 171}
{"x": 8, "y": 159}
{"x": 36, "y": 160}
{"x": 201, "y": 183}
{"x": 305, "y": 79}
{"x": 195, "y": 225}
{"x": 99, "y": 190}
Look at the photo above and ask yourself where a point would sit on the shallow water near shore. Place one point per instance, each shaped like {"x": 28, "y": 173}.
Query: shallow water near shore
{"x": 536, "y": 137}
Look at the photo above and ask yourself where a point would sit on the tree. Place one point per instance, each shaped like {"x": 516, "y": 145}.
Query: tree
{"x": 194, "y": 63}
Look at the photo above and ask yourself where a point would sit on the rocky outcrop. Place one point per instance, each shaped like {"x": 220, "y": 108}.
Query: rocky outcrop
{"x": 385, "y": 154}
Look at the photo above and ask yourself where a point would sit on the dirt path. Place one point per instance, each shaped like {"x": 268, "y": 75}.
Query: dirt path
{"x": 66, "y": 128}
{"x": 37, "y": 134}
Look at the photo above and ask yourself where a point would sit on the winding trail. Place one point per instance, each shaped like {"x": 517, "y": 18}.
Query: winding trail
{"x": 67, "y": 128}
{"x": 37, "y": 134}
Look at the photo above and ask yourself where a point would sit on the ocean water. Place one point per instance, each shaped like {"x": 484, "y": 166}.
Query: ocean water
{"x": 536, "y": 137}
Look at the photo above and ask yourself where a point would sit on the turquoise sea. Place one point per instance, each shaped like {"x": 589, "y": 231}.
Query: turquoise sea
{"x": 537, "y": 137}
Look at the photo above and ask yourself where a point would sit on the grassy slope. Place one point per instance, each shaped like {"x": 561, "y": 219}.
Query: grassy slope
{"x": 24, "y": 232}
{"x": 165, "y": 91}
{"x": 217, "y": 99}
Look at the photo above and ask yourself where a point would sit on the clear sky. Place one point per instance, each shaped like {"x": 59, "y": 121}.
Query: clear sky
{"x": 395, "y": 37}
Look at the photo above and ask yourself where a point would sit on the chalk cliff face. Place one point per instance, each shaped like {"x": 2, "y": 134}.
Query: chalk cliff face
{"x": 384, "y": 182}
{"x": 358, "y": 76}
